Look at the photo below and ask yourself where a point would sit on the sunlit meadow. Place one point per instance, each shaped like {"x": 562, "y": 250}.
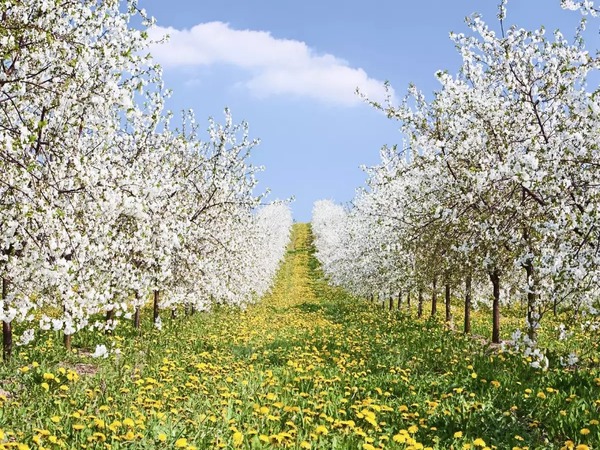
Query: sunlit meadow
{"x": 308, "y": 367}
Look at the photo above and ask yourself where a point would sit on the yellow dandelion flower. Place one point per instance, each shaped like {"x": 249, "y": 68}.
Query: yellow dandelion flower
{"x": 479, "y": 442}
{"x": 238, "y": 439}
{"x": 584, "y": 431}
{"x": 181, "y": 443}
{"x": 129, "y": 436}
{"x": 321, "y": 430}
{"x": 458, "y": 434}
{"x": 400, "y": 438}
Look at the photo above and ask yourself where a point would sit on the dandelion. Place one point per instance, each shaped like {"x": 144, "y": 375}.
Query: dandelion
{"x": 181, "y": 443}
{"x": 321, "y": 430}
{"x": 238, "y": 439}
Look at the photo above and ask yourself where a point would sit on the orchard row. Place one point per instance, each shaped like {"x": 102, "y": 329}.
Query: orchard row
{"x": 495, "y": 194}
{"x": 105, "y": 202}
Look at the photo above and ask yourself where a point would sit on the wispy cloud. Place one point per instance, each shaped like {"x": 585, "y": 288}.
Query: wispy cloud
{"x": 274, "y": 66}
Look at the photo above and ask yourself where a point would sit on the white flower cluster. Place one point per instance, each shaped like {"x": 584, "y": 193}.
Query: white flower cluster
{"x": 102, "y": 200}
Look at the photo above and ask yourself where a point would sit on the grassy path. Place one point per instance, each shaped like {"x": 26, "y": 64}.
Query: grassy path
{"x": 307, "y": 367}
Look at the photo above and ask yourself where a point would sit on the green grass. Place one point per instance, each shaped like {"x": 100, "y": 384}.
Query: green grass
{"x": 307, "y": 367}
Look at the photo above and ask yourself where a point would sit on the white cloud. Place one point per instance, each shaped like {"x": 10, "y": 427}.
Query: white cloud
{"x": 275, "y": 66}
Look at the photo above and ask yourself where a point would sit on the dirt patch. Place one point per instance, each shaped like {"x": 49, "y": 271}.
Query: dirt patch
{"x": 85, "y": 369}
{"x": 5, "y": 394}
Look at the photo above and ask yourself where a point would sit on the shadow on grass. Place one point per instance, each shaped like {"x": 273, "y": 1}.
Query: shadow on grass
{"x": 307, "y": 307}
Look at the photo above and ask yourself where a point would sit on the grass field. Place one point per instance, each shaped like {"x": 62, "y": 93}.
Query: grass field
{"x": 307, "y": 367}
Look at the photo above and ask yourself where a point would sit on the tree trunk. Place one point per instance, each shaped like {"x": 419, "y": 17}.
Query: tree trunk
{"x": 400, "y": 299}
{"x": 468, "y": 298}
{"x": 156, "y": 300}
{"x": 391, "y": 302}
{"x": 67, "y": 340}
{"x": 408, "y": 300}
{"x": 532, "y": 321}
{"x": 136, "y": 318}
{"x": 448, "y": 309}
{"x": 495, "y": 278}
{"x": 434, "y": 297}
{"x": 110, "y": 316}
{"x": 173, "y": 313}
{"x": 7, "y": 341}
{"x": 420, "y": 304}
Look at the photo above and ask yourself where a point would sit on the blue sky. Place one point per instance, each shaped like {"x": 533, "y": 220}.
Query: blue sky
{"x": 290, "y": 69}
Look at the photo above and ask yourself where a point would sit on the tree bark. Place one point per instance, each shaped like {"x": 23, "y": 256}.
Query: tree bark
{"x": 7, "y": 341}
{"x": 420, "y": 304}
{"x": 110, "y": 316}
{"x": 468, "y": 300}
{"x": 531, "y": 302}
{"x": 136, "y": 318}
{"x": 434, "y": 297}
{"x": 399, "y": 298}
{"x": 408, "y": 299}
{"x": 156, "y": 311}
{"x": 495, "y": 279}
{"x": 448, "y": 310}
{"x": 391, "y": 302}
{"x": 67, "y": 341}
